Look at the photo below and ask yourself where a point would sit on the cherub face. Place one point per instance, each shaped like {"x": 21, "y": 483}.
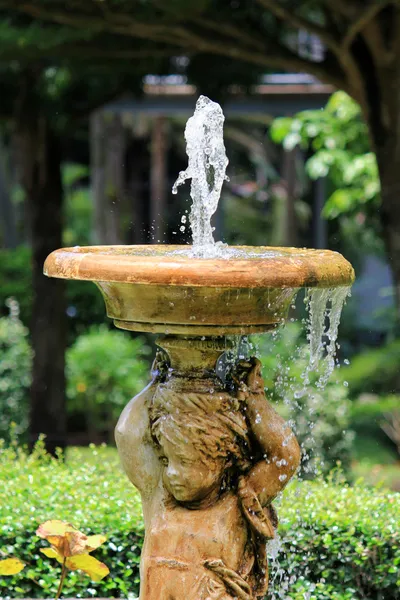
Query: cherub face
{"x": 187, "y": 477}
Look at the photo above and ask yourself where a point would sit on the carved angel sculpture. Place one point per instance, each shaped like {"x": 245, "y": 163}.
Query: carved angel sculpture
{"x": 207, "y": 463}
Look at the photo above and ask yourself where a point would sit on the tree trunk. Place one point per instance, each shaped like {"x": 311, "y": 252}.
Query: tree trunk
{"x": 385, "y": 136}
{"x": 40, "y": 164}
{"x": 319, "y": 224}
{"x": 383, "y": 118}
{"x": 390, "y": 211}
{"x": 115, "y": 176}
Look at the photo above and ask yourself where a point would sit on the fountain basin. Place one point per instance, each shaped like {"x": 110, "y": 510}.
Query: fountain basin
{"x": 164, "y": 289}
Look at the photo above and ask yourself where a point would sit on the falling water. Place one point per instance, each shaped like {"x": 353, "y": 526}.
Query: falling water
{"x": 324, "y": 310}
{"x": 316, "y": 301}
{"x": 207, "y": 162}
{"x": 324, "y": 307}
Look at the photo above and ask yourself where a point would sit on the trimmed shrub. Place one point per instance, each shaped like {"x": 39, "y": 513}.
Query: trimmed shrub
{"x": 339, "y": 542}
{"x": 104, "y": 370}
{"x": 90, "y": 491}
{"x": 15, "y": 375}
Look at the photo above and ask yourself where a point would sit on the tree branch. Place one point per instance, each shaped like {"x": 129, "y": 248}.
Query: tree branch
{"x": 299, "y": 22}
{"x": 341, "y": 7}
{"x": 231, "y": 31}
{"x": 352, "y": 76}
{"x": 120, "y": 24}
{"x": 274, "y": 55}
{"x": 83, "y": 52}
{"x": 362, "y": 20}
{"x": 373, "y": 36}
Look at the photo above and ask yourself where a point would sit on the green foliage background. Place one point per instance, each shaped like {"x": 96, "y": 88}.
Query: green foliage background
{"x": 338, "y": 137}
{"x": 338, "y": 142}
{"x": 104, "y": 369}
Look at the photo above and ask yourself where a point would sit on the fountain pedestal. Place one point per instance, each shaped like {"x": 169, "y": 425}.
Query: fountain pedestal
{"x": 208, "y": 456}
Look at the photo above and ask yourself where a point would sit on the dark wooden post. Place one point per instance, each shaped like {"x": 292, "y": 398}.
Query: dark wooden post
{"x": 290, "y": 177}
{"x": 107, "y": 154}
{"x": 158, "y": 177}
{"x": 7, "y": 211}
{"x": 319, "y": 224}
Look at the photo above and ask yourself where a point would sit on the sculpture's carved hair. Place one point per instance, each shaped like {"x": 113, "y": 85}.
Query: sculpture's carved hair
{"x": 212, "y": 424}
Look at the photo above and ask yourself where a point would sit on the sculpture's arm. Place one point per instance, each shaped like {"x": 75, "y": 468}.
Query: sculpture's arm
{"x": 135, "y": 445}
{"x": 276, "y": 441}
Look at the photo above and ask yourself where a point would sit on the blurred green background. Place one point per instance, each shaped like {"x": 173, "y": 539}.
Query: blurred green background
{"x": 359, "y": 422}
{"x": 91, "y": 140}
{"x": 94, "y": 97}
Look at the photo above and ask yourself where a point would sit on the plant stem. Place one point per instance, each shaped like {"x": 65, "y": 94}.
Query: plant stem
{"x": 63, "y": 573}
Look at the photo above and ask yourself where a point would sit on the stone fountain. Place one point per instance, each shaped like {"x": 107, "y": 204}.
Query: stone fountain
{"x": 207, "y": 453}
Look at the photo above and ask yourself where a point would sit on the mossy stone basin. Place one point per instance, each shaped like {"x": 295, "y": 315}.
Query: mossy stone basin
{"x": 163, "y": 289}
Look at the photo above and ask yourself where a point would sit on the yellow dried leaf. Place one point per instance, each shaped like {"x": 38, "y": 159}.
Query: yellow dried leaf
{"x": 71, "y": 543}
{"x": 89, "y": 565}
{"x": 53, "y": 528}
{"x": 11, "y": 566}
{"x": 94, "y": 541}
{"x": 51, "y": 553}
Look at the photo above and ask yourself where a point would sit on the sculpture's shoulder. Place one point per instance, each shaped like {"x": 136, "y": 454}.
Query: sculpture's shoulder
{"x": 135, "y": 445}
{"x": 134, "y": 418}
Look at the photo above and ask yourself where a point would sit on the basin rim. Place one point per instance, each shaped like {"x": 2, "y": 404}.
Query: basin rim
{"x": 156, "y": 265}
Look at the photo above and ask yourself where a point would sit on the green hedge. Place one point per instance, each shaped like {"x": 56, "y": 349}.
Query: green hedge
{"x": 339, "y": 542}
